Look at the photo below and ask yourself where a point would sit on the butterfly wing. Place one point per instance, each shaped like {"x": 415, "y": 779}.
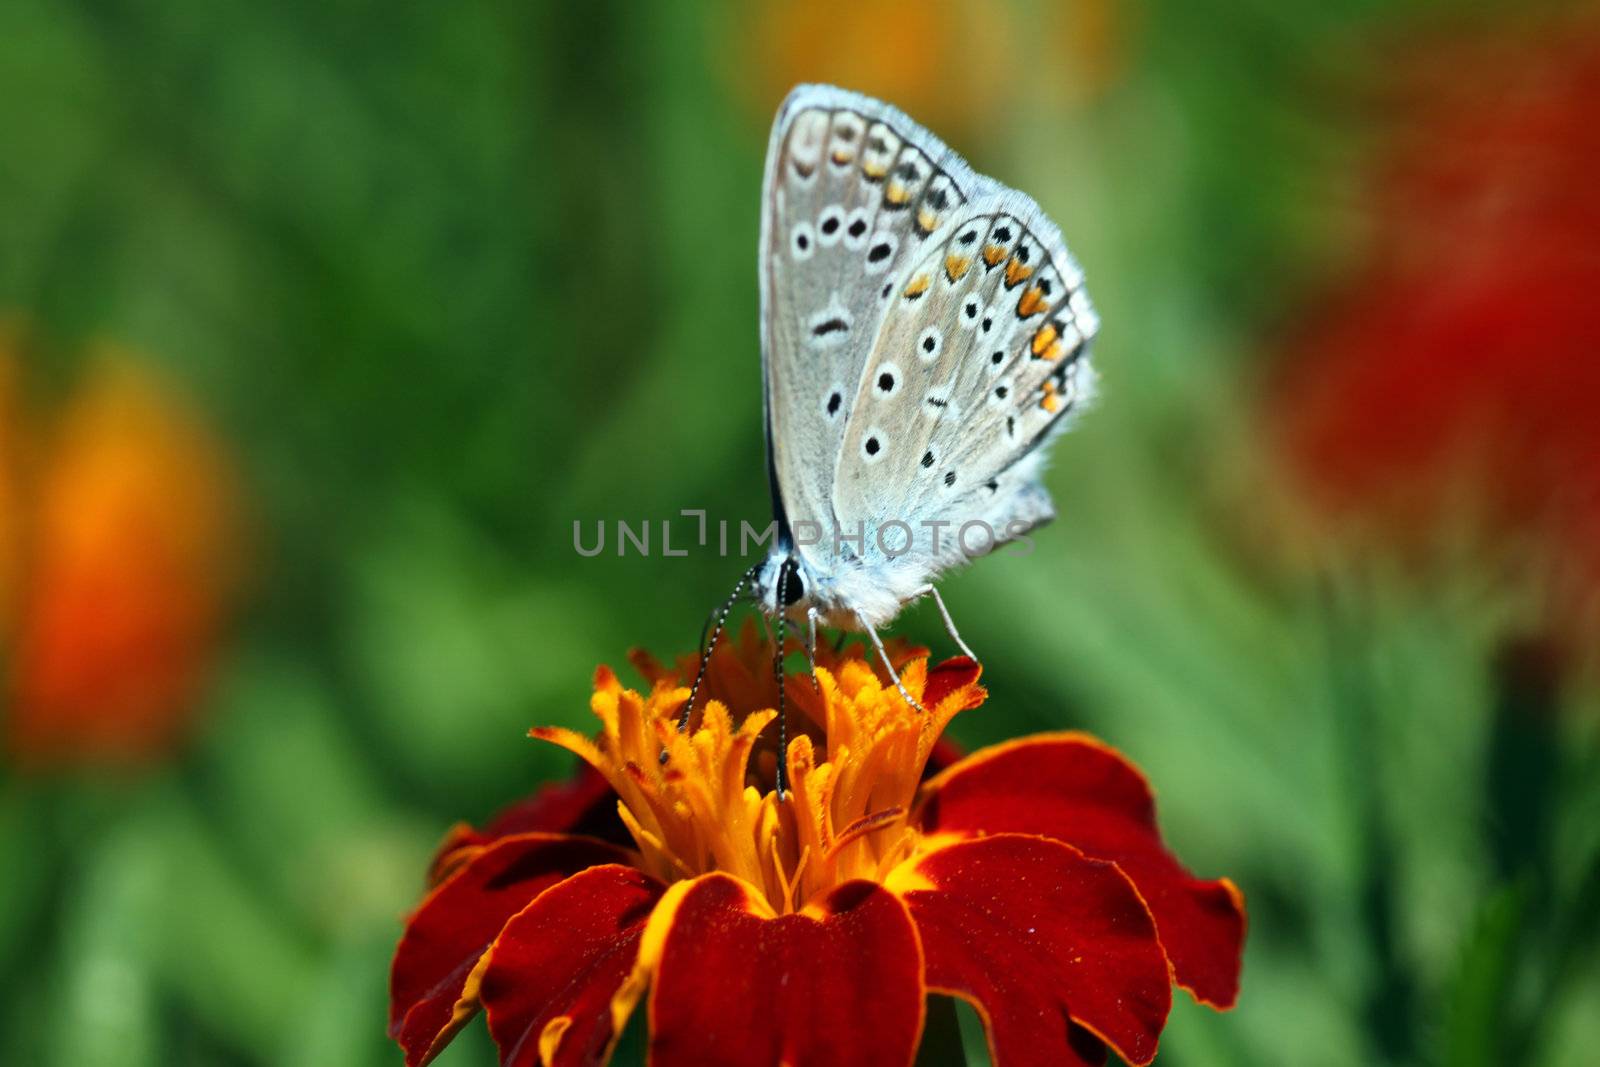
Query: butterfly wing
{"x": 981, "y": 359}
{"x": 854, "y": 191}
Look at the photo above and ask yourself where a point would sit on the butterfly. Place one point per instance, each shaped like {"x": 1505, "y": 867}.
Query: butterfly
{"x": 924, "y": 335}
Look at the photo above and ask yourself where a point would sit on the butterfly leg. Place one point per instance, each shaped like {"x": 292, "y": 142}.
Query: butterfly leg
{"x": 949, "y": 623}
{"x": 877, "y": 643}
{"x": 811, "y": 649}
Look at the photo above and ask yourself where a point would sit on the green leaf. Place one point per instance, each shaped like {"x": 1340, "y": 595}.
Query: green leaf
{"x": 1475, "y": 1013}
{"x": 942, "y": 1039}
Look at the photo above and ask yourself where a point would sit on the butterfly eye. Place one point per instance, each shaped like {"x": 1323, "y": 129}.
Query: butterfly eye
{"x": 791, "y": 583}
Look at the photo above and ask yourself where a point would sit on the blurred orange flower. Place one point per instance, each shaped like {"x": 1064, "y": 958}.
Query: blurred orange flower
{"x": 957, "y": 67}
{"x": 10, "y": 472}
{"x": 123, "y": 557}
{"x": 1454, "y": 376}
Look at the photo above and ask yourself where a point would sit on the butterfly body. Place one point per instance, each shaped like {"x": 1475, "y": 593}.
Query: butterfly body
{"x": 925, "y": 334}
{"x": 847, "y": 597}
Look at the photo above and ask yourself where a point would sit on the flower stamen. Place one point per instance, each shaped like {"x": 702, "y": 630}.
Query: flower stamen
{"x": 716, "y": 796}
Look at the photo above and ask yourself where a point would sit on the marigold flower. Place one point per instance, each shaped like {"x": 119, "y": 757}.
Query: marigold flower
{"x": 1448, "y": 381}
{"x": 121, "y": 574}
{"x": 1029, "y": 879}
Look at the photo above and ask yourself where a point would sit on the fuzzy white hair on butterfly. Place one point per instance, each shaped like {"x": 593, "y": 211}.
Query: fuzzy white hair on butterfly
{"x": 924, "y": 336}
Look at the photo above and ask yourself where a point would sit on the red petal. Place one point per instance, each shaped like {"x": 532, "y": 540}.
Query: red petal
{"x": 835, "y": 985}
{"x": 1040, "y": 936}
{"x": 952, "y": 675}
{"x": 560, "y": 963}
{"x": 431, "y": 988}
{"x": 1076, "y": 789}
{"x": 584, "y": 804}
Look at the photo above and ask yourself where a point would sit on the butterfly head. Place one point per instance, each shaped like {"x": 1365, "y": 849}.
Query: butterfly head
{"x": 782, "y": 586}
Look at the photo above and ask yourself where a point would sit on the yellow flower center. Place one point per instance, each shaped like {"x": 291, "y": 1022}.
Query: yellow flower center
{"x": 856, "y": 754}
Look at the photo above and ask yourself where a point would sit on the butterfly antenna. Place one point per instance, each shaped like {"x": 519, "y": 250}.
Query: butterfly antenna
{"x": 715, "y": 623}
{"x": 777, "y": 674}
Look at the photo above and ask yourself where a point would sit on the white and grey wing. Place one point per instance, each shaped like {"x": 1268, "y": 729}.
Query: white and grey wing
{"x": 853, "y": 194}
{"x": 981, "y": 359}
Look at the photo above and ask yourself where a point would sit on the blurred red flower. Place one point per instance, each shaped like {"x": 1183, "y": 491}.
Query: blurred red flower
{"x": 1029, "y": 879}
{"x": 123, "y": 542}
{"x": 1454, "y": 376}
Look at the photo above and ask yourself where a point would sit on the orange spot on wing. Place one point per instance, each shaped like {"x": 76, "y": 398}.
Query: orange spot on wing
{"x": 1050, "y": 401}
{"x": 897, "y": 194}
{"x": 1016, "y": 272}
{"x": 955, "y": 267}
{"x": 1032, "y": 302}
{"x": 993, "y": 254}
{"x": 927, "y": 220}
{"x": 841, "y": 157}
{"x": 918, "y": 286}
{"x": 875, "y": 170}
{"x": 1045, "y": 345}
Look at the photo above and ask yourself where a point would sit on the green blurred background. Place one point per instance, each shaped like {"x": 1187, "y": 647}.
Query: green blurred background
{"x": 321, "y": 323}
